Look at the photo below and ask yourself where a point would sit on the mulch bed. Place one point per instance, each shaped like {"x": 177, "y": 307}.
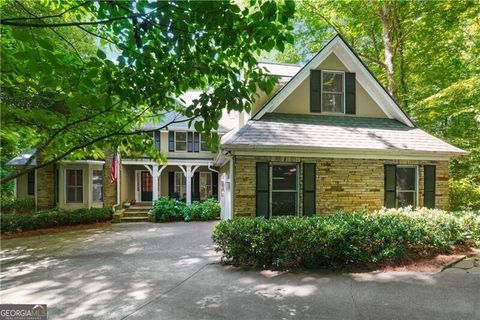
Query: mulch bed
{"x": 54, "y": 230}
{"x": 423, "y": 261}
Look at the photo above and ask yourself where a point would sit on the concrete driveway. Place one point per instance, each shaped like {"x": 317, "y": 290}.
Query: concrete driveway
{"x": 170, "y": 271}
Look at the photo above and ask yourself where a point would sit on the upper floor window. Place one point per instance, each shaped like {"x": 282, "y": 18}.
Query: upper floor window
{"x": 333, "y": 97}
{"x": 180, "y": 141}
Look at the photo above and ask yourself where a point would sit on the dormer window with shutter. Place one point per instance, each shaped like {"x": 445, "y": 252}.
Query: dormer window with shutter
{"x": 332, "y": 92}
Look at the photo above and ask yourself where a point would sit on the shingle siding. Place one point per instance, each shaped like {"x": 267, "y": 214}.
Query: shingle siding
{"x": 346, "y": 184}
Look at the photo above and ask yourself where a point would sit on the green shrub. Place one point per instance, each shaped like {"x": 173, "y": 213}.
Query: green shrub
{"x": 12, "y": 222}
{"x": 464, "y": 195}
{"x": 341, "y": 239}
{"x": 166, "y": 209}
{"x": 203, "y": 211}
{"x": 11, "y": 205}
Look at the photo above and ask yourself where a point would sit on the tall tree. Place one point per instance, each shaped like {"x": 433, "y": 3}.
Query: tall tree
{"x": 70, "y": 102}
{"x": 424, "y": 52}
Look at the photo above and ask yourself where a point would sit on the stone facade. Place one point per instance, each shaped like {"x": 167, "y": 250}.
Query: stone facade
{"x": 109, "y": 189}
{"x": 346, "y": 184}
{"x": 45, "y": 187}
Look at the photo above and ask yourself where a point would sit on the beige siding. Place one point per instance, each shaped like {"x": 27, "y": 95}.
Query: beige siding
{"x": 299, "y": 100}
{"x": 22, "y": 187}
{"x": 347, "y": 184}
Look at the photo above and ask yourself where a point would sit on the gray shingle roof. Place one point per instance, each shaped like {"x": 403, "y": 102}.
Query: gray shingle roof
{"x": 336, "y": 132}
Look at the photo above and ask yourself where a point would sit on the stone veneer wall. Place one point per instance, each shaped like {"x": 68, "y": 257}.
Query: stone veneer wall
{"x": 109, "y": 189}
{"x": 347, "y": 184}
{"x": 45, "y": 187}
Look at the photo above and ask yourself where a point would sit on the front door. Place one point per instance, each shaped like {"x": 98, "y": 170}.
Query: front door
{"x": 146, "y": 186}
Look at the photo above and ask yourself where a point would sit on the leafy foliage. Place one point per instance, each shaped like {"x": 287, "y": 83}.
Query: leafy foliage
{"x": 80, "y": 78}
{"x": 426, "y": 53}
{"x": 464, "y": 194}
{"x": 11, "y": 205}
{"x": 13, "y": 222}
{"x": 204, "y": 211}
{"x": 169, "y": 209}
{"x": 342, "y": 239}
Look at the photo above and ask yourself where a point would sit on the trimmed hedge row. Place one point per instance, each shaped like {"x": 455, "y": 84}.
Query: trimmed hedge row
{"x": 341, "y": 239}
{"x": 167, "y": 209}
{"x": 12, "y": 222}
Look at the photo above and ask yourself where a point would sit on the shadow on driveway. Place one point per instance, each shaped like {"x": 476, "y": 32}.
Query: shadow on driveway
{"x": 170, "y": 271}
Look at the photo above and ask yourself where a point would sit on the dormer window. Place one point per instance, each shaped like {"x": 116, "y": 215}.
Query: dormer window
{"x": 333, "y": 92}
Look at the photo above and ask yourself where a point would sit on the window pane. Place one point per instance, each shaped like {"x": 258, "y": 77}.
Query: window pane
{"x": 333, "y": 82}
{"x": 406, "y": 178}
{"x": 79, "y": 194}
{"x": 79, "y": 181}
{"x": 70, "y": 194}
{"x": 70, "y": 177}
{"x": 97, "y": 185}
{"x": 181, "y": 146}
{"x": 284, "y": 177}
{"x": 181, "y": 136}
{"x": 406, "y": 199}
{"x": 332, "y": 102}
{"x": 284, "y": 203}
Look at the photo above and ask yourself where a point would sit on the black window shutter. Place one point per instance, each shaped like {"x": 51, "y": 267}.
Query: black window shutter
{"x": 196, "y": 186}
{"x": 156, "y": 134}
{"x": 429, "y": 172}
{"x": 350, "y": 103}
{"x": 262, "y": 189}
{"x": 309, "y": 189}
{"x": 31, "y": 183}
{"x": 171, "y": 141}
{"x": 196, "y": 142}
{"x": 390, "y": 186}
{"x": 315, "y": 91}
{"x": 190, "y": 141}
{"x": 171, "y": 183}
{"x": 215, "y": 185}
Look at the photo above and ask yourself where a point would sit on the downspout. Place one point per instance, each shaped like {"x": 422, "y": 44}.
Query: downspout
{"x": 232, "y": 188}
{"x": 218, "y": 177}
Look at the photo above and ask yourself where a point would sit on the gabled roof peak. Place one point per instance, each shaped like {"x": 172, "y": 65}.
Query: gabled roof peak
{"x": 345, "y": 53}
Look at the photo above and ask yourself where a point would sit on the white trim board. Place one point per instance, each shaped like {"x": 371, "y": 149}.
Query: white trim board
{"x": 343, "y": 52}
{"x": 366, "y": 154}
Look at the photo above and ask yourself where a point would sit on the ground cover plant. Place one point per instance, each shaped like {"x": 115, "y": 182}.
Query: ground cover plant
{"x": 343, "y": 239}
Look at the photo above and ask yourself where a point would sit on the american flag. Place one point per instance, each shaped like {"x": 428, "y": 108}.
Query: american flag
{"x": 114, "y": 171}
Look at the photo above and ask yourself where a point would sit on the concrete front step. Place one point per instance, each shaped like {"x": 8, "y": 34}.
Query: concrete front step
{"x": 140, "y": 208}
{"x": 134, "y": 219}
{"x": 135, "y": 214}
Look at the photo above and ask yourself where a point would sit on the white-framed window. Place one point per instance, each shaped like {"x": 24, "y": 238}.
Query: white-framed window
{"x": 180, "y": 141}
{"x": 97, "y": 185}
{"x": 333, "y": 91}
{"x": 205, "y": 185}
{"x": 284, "y": 189}
{"x": 74, "y": 185}
{"x": 407, "y": 186}
{"x": 180, "y": 184}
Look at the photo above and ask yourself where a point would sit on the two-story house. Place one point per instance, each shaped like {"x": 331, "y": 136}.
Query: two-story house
{"x": 330, "y": 138}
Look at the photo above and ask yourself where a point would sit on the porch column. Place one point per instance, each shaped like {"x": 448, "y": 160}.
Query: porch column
{"x": 188, "y": 176}
{"x": 155, "y": 182}
{"x": 155, "y": 172}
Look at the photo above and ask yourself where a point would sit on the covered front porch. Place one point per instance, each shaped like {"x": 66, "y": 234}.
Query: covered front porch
{"x": 144, "y": 181}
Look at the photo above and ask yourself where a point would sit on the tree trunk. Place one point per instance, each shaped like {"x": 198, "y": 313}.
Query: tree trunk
{"x": 387, "y": 24}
